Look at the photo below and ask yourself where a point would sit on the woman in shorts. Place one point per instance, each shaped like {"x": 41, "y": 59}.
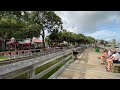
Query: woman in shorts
{"x": 104, "y": 56}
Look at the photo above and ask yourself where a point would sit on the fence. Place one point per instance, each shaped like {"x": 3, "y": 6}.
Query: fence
{"x": 46, "y": 66}
{"x": 36, "y": 68}
{"x": 11, "y": 56}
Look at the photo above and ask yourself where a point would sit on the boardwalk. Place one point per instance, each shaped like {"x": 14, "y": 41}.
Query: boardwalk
{"x": 87, "y": 67}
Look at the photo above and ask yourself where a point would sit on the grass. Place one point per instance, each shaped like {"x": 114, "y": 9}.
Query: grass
{"x": 51, "y": 72}
{"x": 22, "y": 76}
{"x": 54, "y": 70}
{"x": 3, "y": 58}
{"x": 47, "y": 65}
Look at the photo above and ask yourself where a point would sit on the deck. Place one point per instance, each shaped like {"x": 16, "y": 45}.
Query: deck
{"x": 87, "y": 67}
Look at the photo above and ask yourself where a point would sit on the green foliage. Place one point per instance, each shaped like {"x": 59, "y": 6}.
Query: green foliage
{"x": 69, "y": 37}
{"x": 47, "y": 65}
{"x": 18, "y": 24}
{"x": 51, "y": 72}
{"x": 23, "y": 76}
{"x": 27, "y": 24}
{"x": 55, "y": 69}
{"x": 3, "y": 58}
{"x": 48, "y": 20}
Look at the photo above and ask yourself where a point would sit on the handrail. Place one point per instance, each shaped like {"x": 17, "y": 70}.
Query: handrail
{"x": 21, "y": 54}
{"x": 29, "y": 66}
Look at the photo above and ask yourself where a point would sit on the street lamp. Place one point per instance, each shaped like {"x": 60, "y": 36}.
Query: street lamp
{"x": 14, "y": 42}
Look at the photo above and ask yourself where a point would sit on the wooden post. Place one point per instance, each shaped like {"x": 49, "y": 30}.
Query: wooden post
{"x": 31, "y": 74}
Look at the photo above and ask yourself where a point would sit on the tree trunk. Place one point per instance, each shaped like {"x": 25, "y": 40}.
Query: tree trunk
{"x": 4, "y": 41}
{"x": 68, "y": 43}
{"x": 22, "y": 46}
{"x": 58, "y": 43}
{"x": 8, "y": 47}
{"x": 74, "y": 43}
{"x": 14, "y": 46}
{"x": 3, "y": 44}
{"x": 43, "y": 37}
{"x": 30, "y": 43}
{"x": 55, "y": 43}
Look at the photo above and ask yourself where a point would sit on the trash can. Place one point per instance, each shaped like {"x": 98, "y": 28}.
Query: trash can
{"x": 97, "y": 49}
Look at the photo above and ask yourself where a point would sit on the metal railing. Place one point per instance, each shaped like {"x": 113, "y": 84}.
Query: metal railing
{"x": 18, "y": 55}
{"x": 17, "y": 69}
{"x": 31, "y": 65}
{"x": 24, "y": 54}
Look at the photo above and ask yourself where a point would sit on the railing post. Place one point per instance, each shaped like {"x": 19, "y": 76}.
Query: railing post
{"x": 31, "y": 73}
{"x": 34, "y": 52}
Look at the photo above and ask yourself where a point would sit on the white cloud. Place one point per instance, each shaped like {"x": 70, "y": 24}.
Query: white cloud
{"x": 87, "y": 22}
{"x": 106, "y": 35}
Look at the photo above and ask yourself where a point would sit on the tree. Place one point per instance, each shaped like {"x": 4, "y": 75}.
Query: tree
{"x": 101, "y": 41}
{"x": 48, "y": 20}
{"x": 9, "y": 23}
{"x": 47, "y": 39}
{"x": 80, "y": 38}
{"x": 18, "y": 24}
{"x": 31, "y": 28}
{"x": 71, "y": 38}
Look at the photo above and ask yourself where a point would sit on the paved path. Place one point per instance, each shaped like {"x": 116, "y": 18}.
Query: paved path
{"x": 87, "y": 67}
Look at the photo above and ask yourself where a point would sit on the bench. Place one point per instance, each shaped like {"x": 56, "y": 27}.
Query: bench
{"x": 116, "y": 68}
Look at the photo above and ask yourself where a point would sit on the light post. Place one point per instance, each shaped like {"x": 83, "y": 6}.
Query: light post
{"x": 14, "y": 42}
{"x": 114, "y": 43}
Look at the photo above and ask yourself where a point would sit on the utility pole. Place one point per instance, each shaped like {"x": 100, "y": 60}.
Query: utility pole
{"x": 113, "y": 43}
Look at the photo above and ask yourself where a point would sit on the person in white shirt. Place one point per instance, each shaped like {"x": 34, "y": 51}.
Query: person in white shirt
{"x": 113, "y": 59}
{"x": 110, "y": 53}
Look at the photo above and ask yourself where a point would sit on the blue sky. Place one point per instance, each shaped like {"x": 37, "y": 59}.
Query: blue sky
{"x": 107, "y": 32}
{"x": 114, "y": 26}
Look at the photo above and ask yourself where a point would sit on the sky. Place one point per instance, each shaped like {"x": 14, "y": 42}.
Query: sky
{"x": 98, "y": 24}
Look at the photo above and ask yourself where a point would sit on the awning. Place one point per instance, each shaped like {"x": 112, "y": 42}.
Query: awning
{"x": 25, "y": 41}
{"x": 10, "y": 42}
{"x": 37, "y": 41}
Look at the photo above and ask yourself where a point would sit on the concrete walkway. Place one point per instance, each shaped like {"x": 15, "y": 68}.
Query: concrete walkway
{"x": 87, "y": 67}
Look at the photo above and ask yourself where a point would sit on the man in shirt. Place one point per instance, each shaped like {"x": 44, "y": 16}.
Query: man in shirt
{"x": 110, "y": 53}
{"x": 113, "y": 59}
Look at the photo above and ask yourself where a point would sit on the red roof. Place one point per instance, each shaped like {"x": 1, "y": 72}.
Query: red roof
{"x": 37, "y": 41}
{"x": 10, "y": 42}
